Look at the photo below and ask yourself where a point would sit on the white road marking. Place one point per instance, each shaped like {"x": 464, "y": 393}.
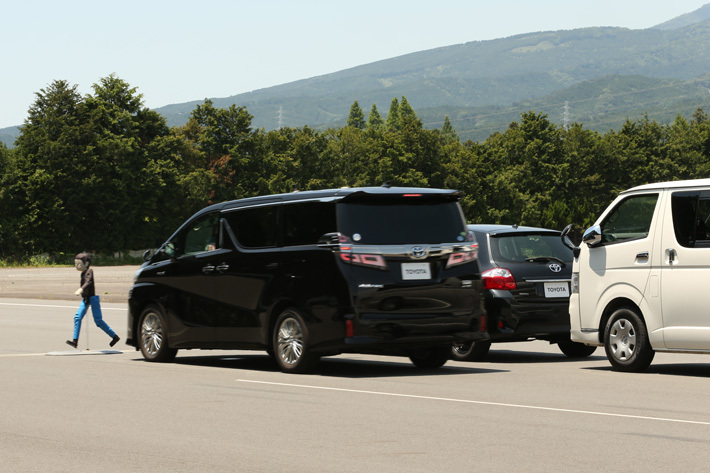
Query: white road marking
{"x": 485, "y": 403}
{"x": 58, "y": 306}
{"x": 67, "y": 353}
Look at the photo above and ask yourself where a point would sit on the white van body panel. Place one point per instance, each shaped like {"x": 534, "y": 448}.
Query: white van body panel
{"x": 620, "y": 271}
{"x": 685, "y": 290}
{"x": 671, "y": 287}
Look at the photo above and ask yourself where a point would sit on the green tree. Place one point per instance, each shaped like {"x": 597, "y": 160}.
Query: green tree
{"x": 225, "y": 137}
{"x": 393, "y": 122}
{"x": 374, "y": 120}
{"x": 8, "y": 218}
{"x": 448, "y": 134}
{"x": 86, "y": 174}
{"x": 356, "y": 118}
{"x": 406, "y": 112}
{"x": 49, "y": 171}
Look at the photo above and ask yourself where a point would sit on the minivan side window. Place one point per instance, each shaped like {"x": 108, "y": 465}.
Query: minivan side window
{"x": 630, "y": 219}
{"x": 202, "y": 235}
{"x": 306, "y": 222}
{"x": 691, "y": 218}
{"x": 254, "y": 227}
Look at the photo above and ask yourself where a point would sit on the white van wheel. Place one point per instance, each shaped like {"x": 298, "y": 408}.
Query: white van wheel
{"x": 626, "y": 341}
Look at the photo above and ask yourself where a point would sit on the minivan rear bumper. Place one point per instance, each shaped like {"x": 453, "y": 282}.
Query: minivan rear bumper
{"x": 404, "y": 333}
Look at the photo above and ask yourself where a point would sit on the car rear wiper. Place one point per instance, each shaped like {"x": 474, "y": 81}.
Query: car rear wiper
{"x": 545, "y": 259}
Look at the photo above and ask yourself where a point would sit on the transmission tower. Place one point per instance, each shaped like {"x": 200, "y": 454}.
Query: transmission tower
{"x": 280, "y": 118}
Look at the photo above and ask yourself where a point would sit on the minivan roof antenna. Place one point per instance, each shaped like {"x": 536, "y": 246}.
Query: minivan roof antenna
{"x": 515, "y": 225}
{"x": 387, "y": 184}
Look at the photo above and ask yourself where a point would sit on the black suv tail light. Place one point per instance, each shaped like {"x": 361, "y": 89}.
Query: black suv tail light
{"x": 498, "y": 278}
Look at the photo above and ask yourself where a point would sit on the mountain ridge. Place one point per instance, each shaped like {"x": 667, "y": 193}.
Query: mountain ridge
{"x": 501, "y": 74}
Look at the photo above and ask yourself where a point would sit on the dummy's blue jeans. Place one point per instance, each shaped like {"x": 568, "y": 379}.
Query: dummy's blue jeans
{"x": 96, "y": 312}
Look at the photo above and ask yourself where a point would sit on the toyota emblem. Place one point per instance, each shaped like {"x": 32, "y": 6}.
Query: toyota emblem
{"x": 418, "y": 252}
{"x": 555, "y": 267}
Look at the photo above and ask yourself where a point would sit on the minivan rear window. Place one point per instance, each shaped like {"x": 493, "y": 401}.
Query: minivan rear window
{"x": 397, "y": 223}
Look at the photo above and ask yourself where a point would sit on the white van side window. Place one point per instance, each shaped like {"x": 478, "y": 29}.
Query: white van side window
{"x": 630, "y": 219}
{"x": 691, "y": 218}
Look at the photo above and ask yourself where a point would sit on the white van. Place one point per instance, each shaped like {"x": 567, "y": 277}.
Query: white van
{"x": 641, "y": 277}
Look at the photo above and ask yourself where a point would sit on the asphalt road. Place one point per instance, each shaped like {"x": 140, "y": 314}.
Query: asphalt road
{"x": 526, "y": 409}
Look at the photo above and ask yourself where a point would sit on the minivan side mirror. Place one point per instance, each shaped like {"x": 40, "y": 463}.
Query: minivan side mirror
{"x": 146, "y": 255}
{"x": 592, "y": 236}
{"x": 329, "y": 240}
{"x": 568, "y": 242}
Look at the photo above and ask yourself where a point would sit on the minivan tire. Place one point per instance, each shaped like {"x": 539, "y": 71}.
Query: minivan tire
{"x": 434, "y": 357}
{"x": 291, "y": 343}
{"x": 470, "y": 351}
{"x": 576, "y": 350}
{"x": 153, "y": 335}
{"x": 626, "y": 341}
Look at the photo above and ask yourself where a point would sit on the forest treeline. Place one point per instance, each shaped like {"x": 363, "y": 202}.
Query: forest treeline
{"x": 103, "y": 173}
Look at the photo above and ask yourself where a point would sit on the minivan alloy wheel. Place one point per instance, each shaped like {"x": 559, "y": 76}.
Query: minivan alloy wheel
{"x": 290, "y": 341}
{"x": 152, "y": 333}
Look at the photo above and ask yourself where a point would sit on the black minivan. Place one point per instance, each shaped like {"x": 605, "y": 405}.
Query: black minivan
{"x": 381, "y": 270}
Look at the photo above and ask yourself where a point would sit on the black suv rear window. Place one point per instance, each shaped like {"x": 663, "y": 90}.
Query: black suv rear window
{"x": 519, "y": 247}
{"x": 397, "y": 223}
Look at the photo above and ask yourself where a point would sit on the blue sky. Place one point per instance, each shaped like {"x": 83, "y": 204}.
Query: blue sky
{"x": 177, "y": 51}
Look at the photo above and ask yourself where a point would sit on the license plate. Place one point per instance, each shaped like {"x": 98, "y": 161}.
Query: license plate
{"x": 556, "y": 289}
{"x": 412, "y": 271}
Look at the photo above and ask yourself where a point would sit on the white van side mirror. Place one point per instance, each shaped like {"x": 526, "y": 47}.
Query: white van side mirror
{"x": 568, "y": 242}
{"x": 592, "y": 236}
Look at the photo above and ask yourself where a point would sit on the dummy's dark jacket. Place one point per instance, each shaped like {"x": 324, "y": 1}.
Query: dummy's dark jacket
{"x": 87, "y": 284}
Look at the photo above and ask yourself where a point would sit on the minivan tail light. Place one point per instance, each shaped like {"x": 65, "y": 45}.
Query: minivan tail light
{"x": 498, "y": 278}
{"x": 461, "y": 257}
{"x": 372, "y": 261}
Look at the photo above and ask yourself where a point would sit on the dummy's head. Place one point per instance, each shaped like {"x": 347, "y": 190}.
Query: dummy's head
{"x": 82, "y": 261}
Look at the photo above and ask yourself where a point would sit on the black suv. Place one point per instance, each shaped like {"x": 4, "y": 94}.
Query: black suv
{"x": 379, "y": 270}
{"x": 526, "y": 274}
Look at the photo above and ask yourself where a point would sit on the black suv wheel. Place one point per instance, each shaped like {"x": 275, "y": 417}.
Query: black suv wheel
{"x": 576, "y": 350}
{"x": 470, "y": 351}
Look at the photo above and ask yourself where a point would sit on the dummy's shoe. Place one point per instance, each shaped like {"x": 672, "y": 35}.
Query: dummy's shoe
{"x": 72, "y": 343}
{"x": 114, "y": 340}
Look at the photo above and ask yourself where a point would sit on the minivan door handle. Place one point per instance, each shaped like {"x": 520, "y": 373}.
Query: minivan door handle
{"x": 222, "y": 267}
{"x": 671, "y": 256}
{"x": 208, "y": 269}
{"x": 642, "y": 255}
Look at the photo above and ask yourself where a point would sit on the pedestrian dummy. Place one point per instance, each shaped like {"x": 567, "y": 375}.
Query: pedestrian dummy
{"x": 82, "y": 262}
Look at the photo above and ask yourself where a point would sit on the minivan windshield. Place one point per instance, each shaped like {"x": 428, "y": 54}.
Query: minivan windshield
{"x": 519, "y": 248}
{"x": 398, "y": 223}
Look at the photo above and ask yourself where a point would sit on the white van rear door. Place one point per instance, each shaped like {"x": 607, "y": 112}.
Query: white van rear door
{"x": 685, "y": 274}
